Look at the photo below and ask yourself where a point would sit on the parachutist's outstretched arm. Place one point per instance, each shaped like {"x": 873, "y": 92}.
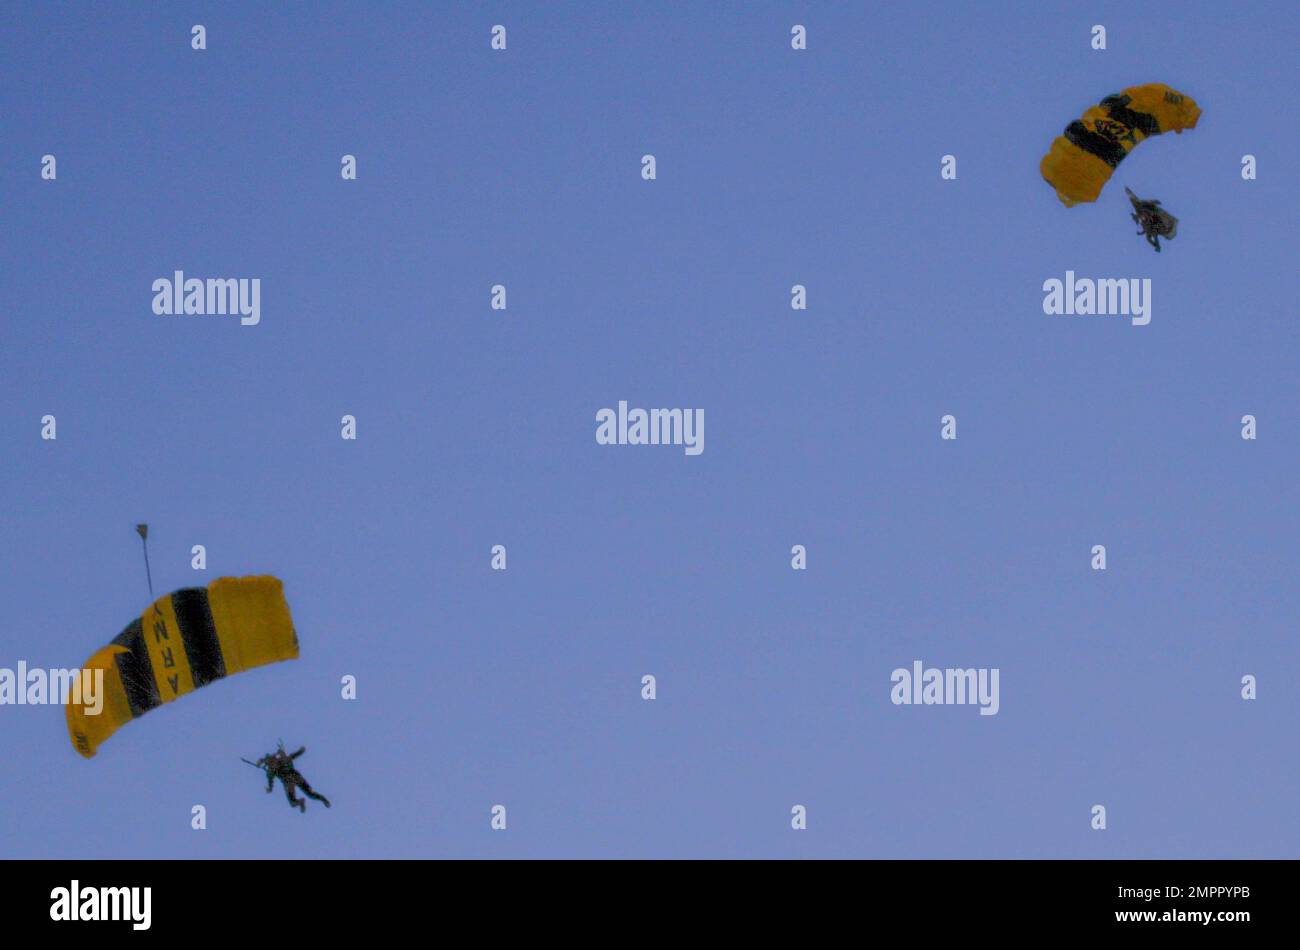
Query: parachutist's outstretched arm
{"x": 298, "y": 753}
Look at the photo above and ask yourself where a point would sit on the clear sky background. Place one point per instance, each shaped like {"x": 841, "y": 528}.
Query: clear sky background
{"x": 477, "y": 427}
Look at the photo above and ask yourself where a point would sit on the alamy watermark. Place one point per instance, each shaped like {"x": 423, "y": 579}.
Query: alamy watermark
{"x": 683, "y": 427}
{"x": 38, "y": 687}
{"x": 948, "y": 687}
{"x": 1083, "y": 296}
{"x": 103, "y": 903}
{"x": 216, "y": 295}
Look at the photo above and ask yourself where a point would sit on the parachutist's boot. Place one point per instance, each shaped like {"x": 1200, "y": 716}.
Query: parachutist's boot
{"x": 302, "y": 805}
{"x": 312, "y": 793}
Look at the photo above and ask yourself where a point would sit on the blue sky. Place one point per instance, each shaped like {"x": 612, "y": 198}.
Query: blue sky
{"x": 477, "y": 427}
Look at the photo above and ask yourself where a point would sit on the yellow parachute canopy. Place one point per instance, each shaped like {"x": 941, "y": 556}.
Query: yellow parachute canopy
{"x": 1080, "y": 162}
{"x": 183, "y": 641}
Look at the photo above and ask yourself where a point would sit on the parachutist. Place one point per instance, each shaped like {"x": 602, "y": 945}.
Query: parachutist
{"x": 279, "y": 764}
{"x": 1154, "y": 220}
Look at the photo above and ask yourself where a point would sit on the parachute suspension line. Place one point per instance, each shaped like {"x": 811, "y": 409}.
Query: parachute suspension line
{"x": 143, "y": 530}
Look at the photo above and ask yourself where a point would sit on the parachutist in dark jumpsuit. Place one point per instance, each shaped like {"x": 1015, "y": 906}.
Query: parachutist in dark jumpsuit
{"x": 279, "y": 764}
{"x": 1154, "y": 220}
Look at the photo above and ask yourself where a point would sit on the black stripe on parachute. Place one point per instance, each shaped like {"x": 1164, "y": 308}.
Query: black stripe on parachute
{"x": 136, "y": 670}
{"x": 1116, "y": 107}
{"x": 1108, "y": 150}
{"x": 199, "y": 634}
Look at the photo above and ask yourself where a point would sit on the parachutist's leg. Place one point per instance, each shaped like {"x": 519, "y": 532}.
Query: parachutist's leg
{"x": 307, "y": 790}
{"x": 294, "y": 800}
